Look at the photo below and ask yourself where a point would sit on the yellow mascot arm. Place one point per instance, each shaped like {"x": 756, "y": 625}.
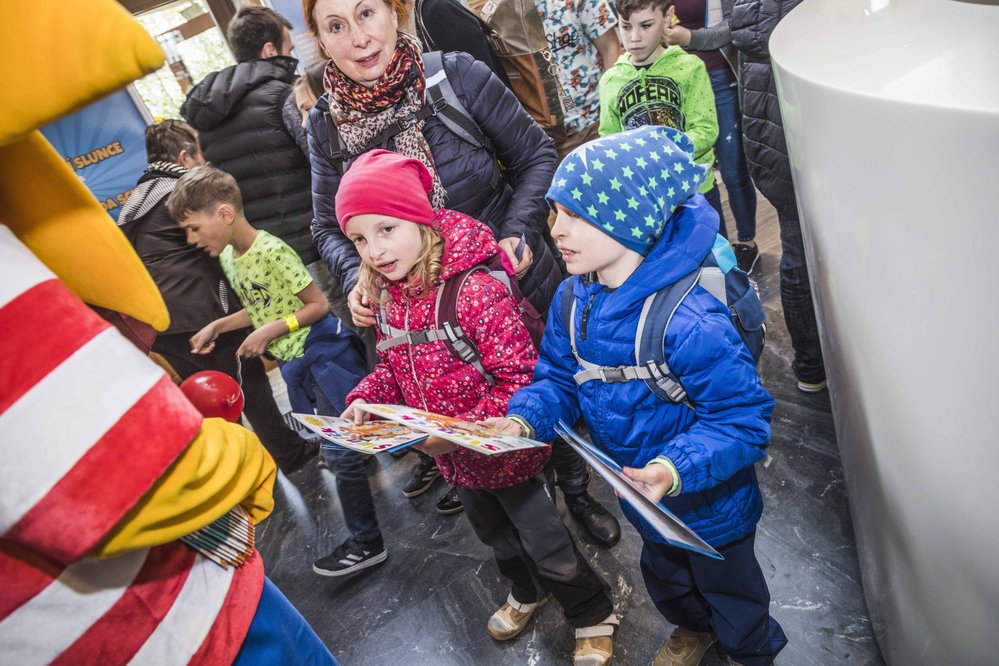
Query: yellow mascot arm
{"x": 224, "y": 466}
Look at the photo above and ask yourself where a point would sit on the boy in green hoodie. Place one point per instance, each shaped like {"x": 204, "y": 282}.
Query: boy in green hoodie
{"x": 653, "y": 84}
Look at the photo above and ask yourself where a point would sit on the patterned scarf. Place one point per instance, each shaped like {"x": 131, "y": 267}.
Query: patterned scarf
{"x": 361, "y": 113}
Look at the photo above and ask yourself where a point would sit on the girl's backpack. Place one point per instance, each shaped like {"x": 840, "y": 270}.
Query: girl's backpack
{"x": 719, "y": 275}
{"x": 447, "y": 328}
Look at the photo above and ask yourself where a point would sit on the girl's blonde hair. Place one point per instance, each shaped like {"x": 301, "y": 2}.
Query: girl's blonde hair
{"x": 425, "y": 271}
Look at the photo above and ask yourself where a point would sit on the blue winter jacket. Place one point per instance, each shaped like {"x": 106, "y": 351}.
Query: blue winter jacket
{"x": 715, "y": 444}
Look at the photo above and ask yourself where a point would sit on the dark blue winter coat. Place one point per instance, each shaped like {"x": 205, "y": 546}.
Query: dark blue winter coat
{"x": 715, "y": 444}
{"x": 516, "y": 207}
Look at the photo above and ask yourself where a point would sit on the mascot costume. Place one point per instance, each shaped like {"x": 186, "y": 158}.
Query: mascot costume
{"x": 106, "y": 465}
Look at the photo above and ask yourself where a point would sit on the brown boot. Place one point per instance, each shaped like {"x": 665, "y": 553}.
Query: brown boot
{"x": 685, "y": 648}
{"x": 511, "y": 618}
{"x": 595, "y": 645}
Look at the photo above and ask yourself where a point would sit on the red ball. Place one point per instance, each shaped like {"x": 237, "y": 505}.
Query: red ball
{"x": 215, "y": 394}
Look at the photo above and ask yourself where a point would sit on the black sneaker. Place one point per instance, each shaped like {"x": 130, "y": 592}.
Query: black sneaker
{"x": 351, "y": 556}
{"x": 450, "y": 503}
{"x": 746, "y": 256}
{"x": 424, "y": 475}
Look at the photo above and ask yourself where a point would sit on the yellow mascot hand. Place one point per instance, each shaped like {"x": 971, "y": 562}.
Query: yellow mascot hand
{"x": 224, "y": 466}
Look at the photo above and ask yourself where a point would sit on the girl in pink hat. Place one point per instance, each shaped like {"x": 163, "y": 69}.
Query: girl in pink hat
{"x": 409, "y": 251}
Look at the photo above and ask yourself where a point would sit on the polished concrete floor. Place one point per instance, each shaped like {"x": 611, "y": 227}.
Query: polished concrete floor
{"x": 429, "y": 602}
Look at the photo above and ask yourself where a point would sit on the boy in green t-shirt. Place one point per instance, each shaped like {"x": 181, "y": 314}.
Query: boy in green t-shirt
{"x": 655, "y": 85}
{"x": 320, "y": 359}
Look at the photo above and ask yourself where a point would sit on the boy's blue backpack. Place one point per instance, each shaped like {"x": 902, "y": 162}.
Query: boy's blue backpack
{"x": 720, "y": 276}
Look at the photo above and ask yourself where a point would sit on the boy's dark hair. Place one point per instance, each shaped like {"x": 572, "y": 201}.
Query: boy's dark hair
{"x": 251, "y": 28}
{"x": 202, "y": 189}
{"x": 628, "y": 7}
{"x": 165, "y": 140}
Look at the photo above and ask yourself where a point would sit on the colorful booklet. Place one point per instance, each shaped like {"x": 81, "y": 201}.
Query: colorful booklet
{"x": 662, "y": 519}
{"x": 487, "y": 441}
{"x": 371, "y": 437}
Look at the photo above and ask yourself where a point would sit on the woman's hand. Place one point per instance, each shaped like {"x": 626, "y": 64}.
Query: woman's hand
{"x": 203, "y": 342}
{"x": 673, "y": 32}
{"x": 360, "y": 309}
{"x": 352, "y": 413}
{"x": 435, "y": 446}
{"x": 520, "y": 267}
{"x": 655, "y": 479}
{"x": 504, "y": 425}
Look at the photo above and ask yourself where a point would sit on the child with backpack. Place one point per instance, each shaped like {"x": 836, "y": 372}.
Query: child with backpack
{"x": 410, "y": 254}
{"x": 630, "y": 229}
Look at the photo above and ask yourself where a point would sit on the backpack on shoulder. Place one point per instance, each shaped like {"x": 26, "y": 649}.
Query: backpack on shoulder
{"x": 516, "y": 34}
{"x": 719, "y": 275}
{"x": 447, "y": 328}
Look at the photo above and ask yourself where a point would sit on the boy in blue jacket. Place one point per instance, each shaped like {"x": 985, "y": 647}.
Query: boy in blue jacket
{"x": 631, "y": 221}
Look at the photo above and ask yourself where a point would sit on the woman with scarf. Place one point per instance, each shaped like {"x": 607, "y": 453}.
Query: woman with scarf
{"x": 375, "y": 78}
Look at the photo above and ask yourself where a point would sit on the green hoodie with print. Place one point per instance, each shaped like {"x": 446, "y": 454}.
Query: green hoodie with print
{"x": 674, "y": 91}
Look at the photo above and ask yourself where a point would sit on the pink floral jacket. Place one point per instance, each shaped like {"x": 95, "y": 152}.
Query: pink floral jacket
{"x": 429, "y": 377}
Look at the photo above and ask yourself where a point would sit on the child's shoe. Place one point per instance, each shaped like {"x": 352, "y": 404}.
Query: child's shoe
{"x": 351, "y": 556}
{"x": 685, "y": 648}
{"x": 424, "y": 475}
{"x": 595, "y": 645}
{"x": 511, "y": 618}
{"x": 450, "y": 504}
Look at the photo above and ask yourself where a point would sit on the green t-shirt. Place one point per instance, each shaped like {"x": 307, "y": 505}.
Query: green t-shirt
{"x": 267, "y": 279}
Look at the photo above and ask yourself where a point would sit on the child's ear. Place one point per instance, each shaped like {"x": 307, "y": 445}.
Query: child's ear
{"x": 227, "y": 212}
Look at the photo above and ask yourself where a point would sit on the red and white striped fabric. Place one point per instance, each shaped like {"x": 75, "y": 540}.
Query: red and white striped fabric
{"x": 87, "y": 425}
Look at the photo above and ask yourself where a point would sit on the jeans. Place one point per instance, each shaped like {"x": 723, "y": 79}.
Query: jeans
{"x": 352, "y": 487}
{"x": 730, "y": 154}
{"x": 713, "y": 197}
{"x": 796, "y": 299}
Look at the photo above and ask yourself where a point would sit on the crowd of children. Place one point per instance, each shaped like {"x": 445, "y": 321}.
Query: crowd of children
{"x": 635, "y": 211}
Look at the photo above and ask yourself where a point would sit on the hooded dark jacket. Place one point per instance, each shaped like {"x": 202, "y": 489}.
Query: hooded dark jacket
{"x": 516, "y": 207}
{"x": 752, "y": 22}
{"x": 192, "y": 283}
{"x": 238, "y": 114}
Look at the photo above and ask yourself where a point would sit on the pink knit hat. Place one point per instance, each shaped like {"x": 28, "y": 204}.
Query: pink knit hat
{"x": 381, "y": 182}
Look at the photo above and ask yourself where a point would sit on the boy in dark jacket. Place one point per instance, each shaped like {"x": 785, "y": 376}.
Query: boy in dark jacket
{"x": 635, "y": 226}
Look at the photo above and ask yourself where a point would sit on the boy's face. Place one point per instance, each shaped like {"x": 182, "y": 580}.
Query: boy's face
{"x": 389, "y": 245}
{"x": 209, "y": 231}
{"x": 641, "y": 34}
{"x": 585, "y": 249}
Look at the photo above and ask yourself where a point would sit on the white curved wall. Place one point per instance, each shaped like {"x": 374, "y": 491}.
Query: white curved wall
{"x": 891, "y": 110}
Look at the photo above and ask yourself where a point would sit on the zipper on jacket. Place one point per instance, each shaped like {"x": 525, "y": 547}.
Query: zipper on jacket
{"x": 412, "y": 362}
{"x": 586, "y": 316}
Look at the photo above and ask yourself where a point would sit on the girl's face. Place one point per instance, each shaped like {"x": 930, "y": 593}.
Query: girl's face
{"x": 305, "y": 100}
{"x": 358, "y": 35}
{"x": 387, "y": 244}
{"x": 642, "y": 33}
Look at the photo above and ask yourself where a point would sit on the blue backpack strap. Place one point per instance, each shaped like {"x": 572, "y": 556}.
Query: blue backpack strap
{"x": 650, "y": 337}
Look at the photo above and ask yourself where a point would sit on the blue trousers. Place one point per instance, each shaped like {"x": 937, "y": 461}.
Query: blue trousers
{"x": 731, "y": 155}
{"x": 728, "y": 596}
{"x": 280, "y": 635}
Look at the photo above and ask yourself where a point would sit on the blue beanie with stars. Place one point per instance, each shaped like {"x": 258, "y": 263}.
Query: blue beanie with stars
{"x": 628, "y": 185}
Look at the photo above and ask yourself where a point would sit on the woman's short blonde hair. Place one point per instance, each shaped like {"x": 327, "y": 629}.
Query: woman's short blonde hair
{"x": 425, "y": 271}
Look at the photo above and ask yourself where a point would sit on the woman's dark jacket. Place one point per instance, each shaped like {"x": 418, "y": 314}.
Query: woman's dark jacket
{"x": 516, "y": 206}
{"x": 192, "y": 283}
{"x": 752, "y": 22}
